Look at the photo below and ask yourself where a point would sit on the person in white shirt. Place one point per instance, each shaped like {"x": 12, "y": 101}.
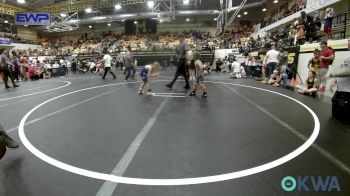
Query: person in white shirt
{"x": 47, "y": 65}
{"x": 236, "y": 66}
{"x": 92, "y": 66}
{"x": 69, "y": 67}
{"x": 55, "y": 65}
{"x": 63, "y": 63}
{"x": 107, "y": 59}
{"x": 271, "y": 61}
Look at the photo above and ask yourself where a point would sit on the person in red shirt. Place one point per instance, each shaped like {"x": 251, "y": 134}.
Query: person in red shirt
{"x": 326, "y": 56}
{"x": 33, "y": 75}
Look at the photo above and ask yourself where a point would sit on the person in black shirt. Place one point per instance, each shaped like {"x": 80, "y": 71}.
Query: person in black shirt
{"x": 218, "y": 65}
{"x": 309, "y": 25}
{"x": 181, "y": 51}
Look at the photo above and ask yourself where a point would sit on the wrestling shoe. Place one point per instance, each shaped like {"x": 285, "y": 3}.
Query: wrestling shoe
{"x": 204, "y": 95}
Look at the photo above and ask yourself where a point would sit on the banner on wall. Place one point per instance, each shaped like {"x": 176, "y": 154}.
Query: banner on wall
{"x": 140, "y": 27}
{"x": 37, "y": 19}
{"x": 5, "y": 40}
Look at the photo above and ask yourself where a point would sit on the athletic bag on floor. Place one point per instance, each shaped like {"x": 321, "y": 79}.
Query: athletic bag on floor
{"x": 341, "y": 106}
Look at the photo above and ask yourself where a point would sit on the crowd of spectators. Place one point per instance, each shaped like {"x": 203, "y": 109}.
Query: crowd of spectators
{"x": 165, "y": 41}
{"x": 291, "y": 9}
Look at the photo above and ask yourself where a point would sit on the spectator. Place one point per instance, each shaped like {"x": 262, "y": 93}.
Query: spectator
{"x": 326, "y": 56}
{"x": 271, "y": 60}
{"x": 328, "y": 22}
{"x": 55, "y": 65}
{"x": 318, "y": 23}
{"x": 218, "y": 64}
{"x": 33, "y": 74}
{"x": 283, "y": 66}
{"x": 309, "y": 25}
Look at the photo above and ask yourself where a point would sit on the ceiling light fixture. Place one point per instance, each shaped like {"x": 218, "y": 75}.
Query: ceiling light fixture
{"x": 187, "y": 19}
{"x": 21, "y": 1}
{"x": 109, "y": 24}
{"x": 90, "y": 26}
{"x": 245, "y": 13}
{"x": 6, "y": 21}
{"x": 63, "y": 15}
{"x": 215, "y": 19}
{"x": 118, "y": 7}
{"x": 186, "y": 2}
{"x": 275, "y": 1}
{"x": 264, "y": 9}
{"x": 100, "y": 17}
{"x": 88, "y": 10}
{"x": 150, "y": 4}
{"x": 135, "y": 22}
{"x": 239, "y": 16}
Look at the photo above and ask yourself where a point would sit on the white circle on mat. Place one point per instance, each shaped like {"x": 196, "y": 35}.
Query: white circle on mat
{"x": 169, "y": 182}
